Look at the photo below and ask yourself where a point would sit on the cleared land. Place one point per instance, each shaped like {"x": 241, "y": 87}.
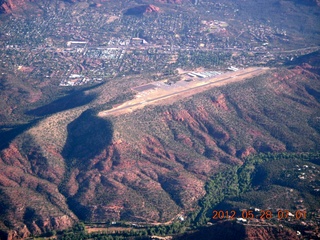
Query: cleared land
{"x": 162, "y": 92}
{"x": 108, "y": 229}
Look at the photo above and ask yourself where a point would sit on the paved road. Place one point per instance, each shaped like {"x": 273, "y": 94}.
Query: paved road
{"x": 176, "y": 93}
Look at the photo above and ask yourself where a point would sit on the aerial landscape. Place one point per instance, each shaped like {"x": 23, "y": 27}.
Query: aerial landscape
{"x": 159, "y": 119}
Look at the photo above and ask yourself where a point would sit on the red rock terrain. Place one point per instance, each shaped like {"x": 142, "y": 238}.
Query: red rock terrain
{"x": 143, "y": 9}
{"x": 7, "y": 6}
{"x": 170, "y": 1}
{"x": 150, "y": 165}
{"x": 12, "y": 6}
{"x": 28, "y": 198}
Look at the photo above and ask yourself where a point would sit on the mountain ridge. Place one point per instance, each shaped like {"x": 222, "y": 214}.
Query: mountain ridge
{"x": 154, "y": 174}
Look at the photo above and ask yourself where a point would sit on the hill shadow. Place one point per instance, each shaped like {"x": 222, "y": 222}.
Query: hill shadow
{"x": 7, "y": 136}
{"x": 70, "y": 101}
{"x": 310, "y": 58}
{"x": 314, "y": 93}
{"x": 88, "y": 135}
{"x": 137, "y": 11}
{"x": 224, "y": 230}
{"x": 306, "y": 2}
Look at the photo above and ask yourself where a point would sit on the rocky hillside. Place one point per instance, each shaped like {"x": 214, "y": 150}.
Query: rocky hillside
{"x": 11, "y": 6}
{"x": 150, "y": 165}
{"x": 143, "y": 9}
{"x": 7, "y": 6}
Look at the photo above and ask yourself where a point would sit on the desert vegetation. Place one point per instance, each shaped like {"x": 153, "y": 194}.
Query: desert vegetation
{"x": 163, "y": 169}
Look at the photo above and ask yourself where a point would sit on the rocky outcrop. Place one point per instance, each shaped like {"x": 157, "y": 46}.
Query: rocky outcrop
{"x": 167, "y": 153}
{"x": 139, "y": 10}
{"x": 6, "y": 6}
{"x": 35, "y": 229}
{"x": 153, "y": 164}
{"x": 33, "y": 204}
{"x": 10, "y": 6}
{"x": 171, "y": 1}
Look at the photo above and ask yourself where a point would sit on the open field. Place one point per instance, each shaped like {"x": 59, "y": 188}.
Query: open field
{"x": 108, "y": 229}
{"x": 162, "y": 92}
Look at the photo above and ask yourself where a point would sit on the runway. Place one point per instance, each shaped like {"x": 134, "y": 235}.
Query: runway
{"x": 122, "y": 108}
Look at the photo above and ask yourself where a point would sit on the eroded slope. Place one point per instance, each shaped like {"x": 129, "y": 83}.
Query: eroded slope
{"x": 152, "y": 164}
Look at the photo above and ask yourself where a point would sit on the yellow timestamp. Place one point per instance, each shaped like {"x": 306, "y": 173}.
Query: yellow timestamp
{"x": 261, "y": 214}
